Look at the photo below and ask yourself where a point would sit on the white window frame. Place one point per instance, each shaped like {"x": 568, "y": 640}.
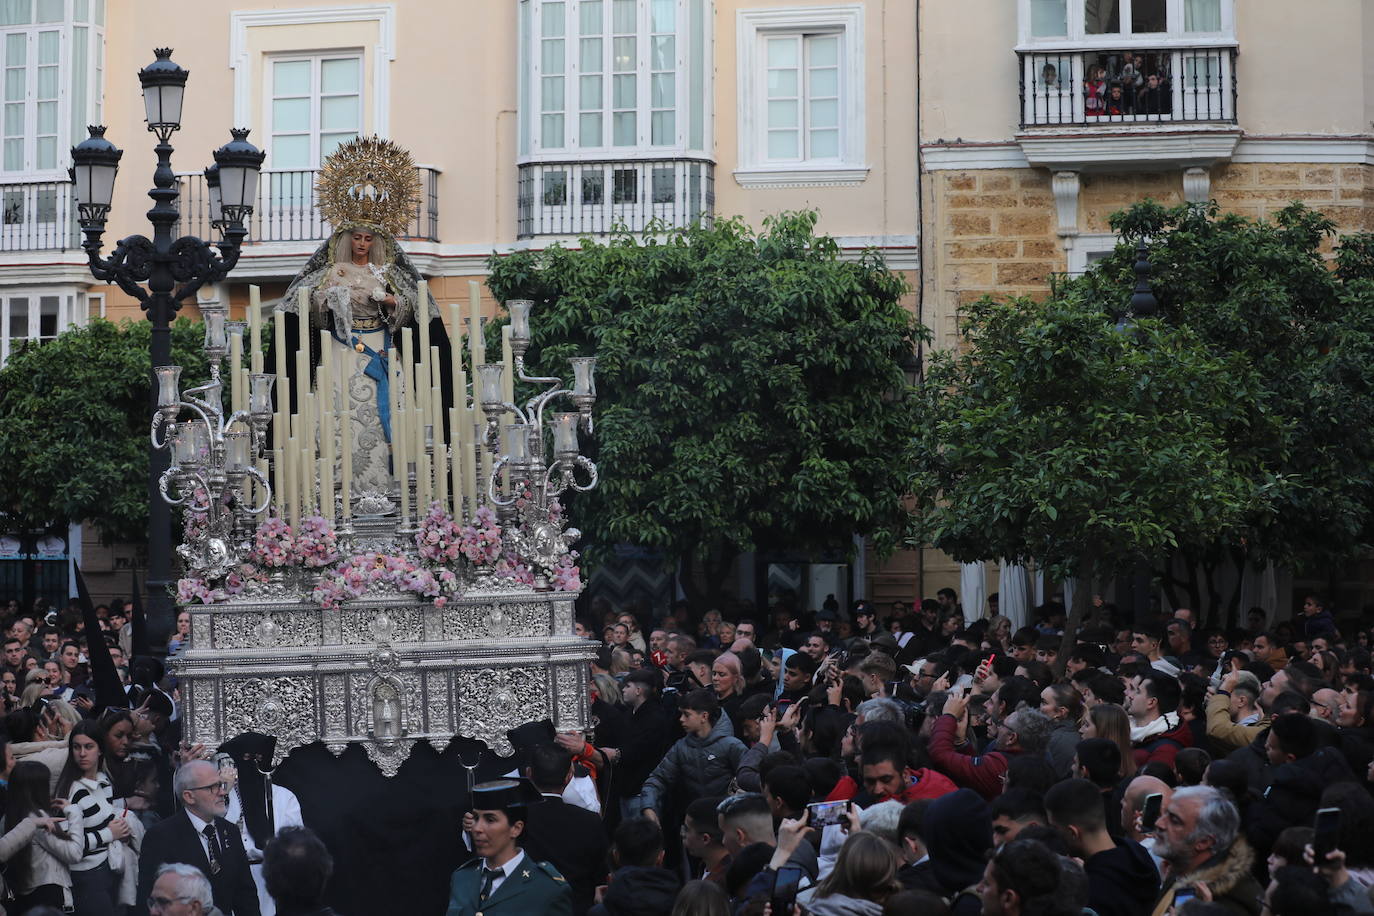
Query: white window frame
{"x": 316, "y": 59}
{"x": 29, "y": 170}
{"x": 66, "y": 300}
{"x": 1078, "y": 39}
{"x": 754, "y": 169}
{"x": 383, "y": 53}
{"x": 1080, "y": 250}
{"x": 572, "y": 149}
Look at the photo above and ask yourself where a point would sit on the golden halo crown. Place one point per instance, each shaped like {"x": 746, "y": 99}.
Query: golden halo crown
{"x": 369, "y": 180}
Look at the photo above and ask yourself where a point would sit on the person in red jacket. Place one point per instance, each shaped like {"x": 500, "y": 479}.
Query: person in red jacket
{"x": 1026, "y": 731}
{"x": 1158, "y": 732}
{"x": 887, "y": 777}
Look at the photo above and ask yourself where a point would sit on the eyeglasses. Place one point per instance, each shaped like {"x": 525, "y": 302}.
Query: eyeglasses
{"x": 217, "y": 786}
{"x": 159, "y": 903}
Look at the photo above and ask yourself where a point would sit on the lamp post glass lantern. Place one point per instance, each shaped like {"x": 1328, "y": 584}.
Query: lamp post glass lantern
{"x": 161, "y": 273}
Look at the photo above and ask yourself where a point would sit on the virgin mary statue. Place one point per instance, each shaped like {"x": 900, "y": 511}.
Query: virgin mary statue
{"x": 365, "y": 291}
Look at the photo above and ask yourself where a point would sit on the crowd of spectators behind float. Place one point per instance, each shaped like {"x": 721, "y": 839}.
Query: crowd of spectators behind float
{"x": 1162, "y": 767}
{"x": 869, "y": 761}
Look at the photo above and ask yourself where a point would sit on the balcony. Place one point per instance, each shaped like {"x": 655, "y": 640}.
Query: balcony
{"x": 595, "y": 198}
{"x": 1143, "y": 109}
{"x": 288, "y": 210}
{"x": 38, "y": 216}
{"x": 1099, "y": 88}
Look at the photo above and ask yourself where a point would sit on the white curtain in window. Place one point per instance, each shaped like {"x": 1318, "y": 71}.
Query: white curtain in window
{"x": 1049, "y": 18}
{"x": 973, "y": 590}
{"x": 1202, "y": 15}
{"x": 1013, "y": 600}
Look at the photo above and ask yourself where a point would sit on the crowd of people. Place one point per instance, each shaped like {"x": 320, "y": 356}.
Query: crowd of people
{"x": 846, "y": 762}
{"x": 905, "y": 760}
{"x": 107, "y": 811}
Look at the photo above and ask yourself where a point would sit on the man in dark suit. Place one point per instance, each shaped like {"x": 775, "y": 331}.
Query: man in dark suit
{"x": 570, "y": 838}
{"x": 199, "y": 835}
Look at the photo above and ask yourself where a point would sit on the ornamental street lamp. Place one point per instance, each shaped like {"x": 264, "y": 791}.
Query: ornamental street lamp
{"x": 173, "y": 269}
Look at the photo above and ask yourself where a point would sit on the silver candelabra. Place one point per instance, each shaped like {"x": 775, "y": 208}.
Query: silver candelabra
{"x": 213, "y": 456}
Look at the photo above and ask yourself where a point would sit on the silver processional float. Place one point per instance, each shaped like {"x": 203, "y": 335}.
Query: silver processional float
{"x": 394, "y": 566}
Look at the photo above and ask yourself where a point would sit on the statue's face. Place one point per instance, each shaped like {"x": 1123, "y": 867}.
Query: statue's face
{"x": 362, "y": 245}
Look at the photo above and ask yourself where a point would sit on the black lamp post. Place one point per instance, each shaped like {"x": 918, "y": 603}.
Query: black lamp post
{"x": 173, "y": 269}
{"x": 1143, "y": 303}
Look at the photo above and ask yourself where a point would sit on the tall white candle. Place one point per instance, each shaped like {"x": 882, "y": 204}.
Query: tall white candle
{"x": 422, "y": 314}
{"x": 346, "y": 464}
{"x": 279, "y": 480}
{"x": 282, "y": 406}
{"x": 400, "y": 435}
{"x": 293, "y": 506}
{"x": 254, "y": 322}
{"x": 455, "y": 460}
{"x": 436, "y": 401}
{"x": 478, "y": 348}
{"x": 326, "y": 401}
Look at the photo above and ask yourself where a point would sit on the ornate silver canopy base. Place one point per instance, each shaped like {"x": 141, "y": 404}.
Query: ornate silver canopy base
{"x": 383, "y": 672}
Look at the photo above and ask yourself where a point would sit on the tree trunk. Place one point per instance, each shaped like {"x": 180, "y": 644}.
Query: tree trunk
{"x": 1082, "y": 600}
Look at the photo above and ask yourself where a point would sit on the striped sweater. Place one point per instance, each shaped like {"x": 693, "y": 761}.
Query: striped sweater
{"x": 91, "y": 797}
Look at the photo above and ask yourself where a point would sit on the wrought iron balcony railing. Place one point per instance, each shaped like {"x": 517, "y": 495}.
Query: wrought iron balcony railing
{"x": 593, "y": 198}
{"x": 288, "y": 211}
{"x": 1187, "y": 85}
{"x": 38, "y": 216}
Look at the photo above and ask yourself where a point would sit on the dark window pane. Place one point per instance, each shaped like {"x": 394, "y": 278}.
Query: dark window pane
{"x": 1149, "y": 16}
{"x": 663, "y": 186}
{"x": 555, "y": 189}
{"x": 593, "y": 187}
{"x": 14, "y": 207}
{"x": 624, "y": 186}
{"x": 1101, "y": 16}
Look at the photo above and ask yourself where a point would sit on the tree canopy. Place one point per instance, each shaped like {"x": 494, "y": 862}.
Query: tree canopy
{"x": 1229, "y": 428}
{"x": 751, "y": 388}
{"x": 74, "y": 418}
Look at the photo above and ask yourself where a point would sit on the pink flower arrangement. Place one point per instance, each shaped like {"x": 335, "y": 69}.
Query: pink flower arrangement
{"x": 567, "y": 577}
{"x": 439, "y": 539}
{"x": 198, "y": 591}
{"x": 354, "y": 576}
{"x": 481, "y": 543}
{"x": 316, "y": 546}
{"x": 274, "y": 544}
{"x": 510, "y": 567}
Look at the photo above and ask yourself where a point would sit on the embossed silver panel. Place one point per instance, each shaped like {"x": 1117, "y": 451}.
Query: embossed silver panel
{"x": 384, "y": 672}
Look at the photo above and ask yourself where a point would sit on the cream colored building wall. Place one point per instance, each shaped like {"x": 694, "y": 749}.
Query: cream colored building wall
{"x": 883, "y": 205}
{"x": 968, "y": 70}
{"x": 1300, "y": 67}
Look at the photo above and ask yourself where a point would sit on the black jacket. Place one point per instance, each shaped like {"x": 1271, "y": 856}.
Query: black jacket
{"x": 1294, "y": 795}
{"x": 176, "y": 840}
{"x": 1122, "y": 881}
{"x": 647, "y": 736}
{"x": 573, "y": 840}
{"x": 639, "y": 892}
{"x": 958, "y": 832}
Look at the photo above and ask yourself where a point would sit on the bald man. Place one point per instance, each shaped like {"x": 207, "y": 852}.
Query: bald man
{"x": 1131, "y": 803}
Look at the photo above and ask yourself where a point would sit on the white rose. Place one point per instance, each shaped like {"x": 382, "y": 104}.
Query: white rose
{"x": 378, "y": 294}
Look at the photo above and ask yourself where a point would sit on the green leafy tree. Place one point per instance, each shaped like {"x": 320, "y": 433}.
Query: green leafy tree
{"x": 751, "y": 387}
{"x": 1266, "y": 291}
{"x": 1229, "y": 428}
{"x": 74, "y": 417}
{"x": 1058, "y": 439}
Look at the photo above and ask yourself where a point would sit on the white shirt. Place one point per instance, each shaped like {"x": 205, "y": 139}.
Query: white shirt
{"x": 506, "y": 870}
{"x": 200, "y": 826}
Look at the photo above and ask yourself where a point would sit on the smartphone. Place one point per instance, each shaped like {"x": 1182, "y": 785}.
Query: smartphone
{"x": 965, "y": 681}
{"x": 786, "y": 883}
{"x": 1183, "y": 895}
{"x": 781, "y": 707}
{"x": 823, "y": 814}
{"x": 1326, "y": 828}
{"x": 1149, "y": 814}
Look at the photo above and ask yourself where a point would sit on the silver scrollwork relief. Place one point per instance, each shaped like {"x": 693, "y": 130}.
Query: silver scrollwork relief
{"x": 280, "y": 706}
{"x": 492, "y": 701}
{"x": 286, "y": 629}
